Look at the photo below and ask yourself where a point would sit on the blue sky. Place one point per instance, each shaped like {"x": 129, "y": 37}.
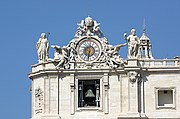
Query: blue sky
{"x": 22, "y": 21}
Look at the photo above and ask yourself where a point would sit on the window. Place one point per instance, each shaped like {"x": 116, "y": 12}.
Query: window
{"x": 165, "y": 97}
{"x": 88, "y": 93}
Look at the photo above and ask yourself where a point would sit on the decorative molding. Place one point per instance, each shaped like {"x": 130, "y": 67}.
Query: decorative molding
{"x": 134, "y": 76}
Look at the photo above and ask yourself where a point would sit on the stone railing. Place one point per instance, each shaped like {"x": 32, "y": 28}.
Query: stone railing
{"x": 100, "y": 65}
{"x": 160, "y": 63}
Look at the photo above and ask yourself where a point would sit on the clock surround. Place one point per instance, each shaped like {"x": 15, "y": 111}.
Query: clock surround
{"x": 89, "y": 49}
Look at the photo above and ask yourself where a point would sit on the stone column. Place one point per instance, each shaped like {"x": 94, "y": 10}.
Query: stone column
{"x": 33, "y": 98}
{"x": 72, "y": 87}
{"x": 142, "y": 99}
{"x": 47, "y": 95}
{"x": 97, "y": 95}
{"x": 53, "y": 95}
{"x": 146, "y": 52}
{"x": 106, "y": 96}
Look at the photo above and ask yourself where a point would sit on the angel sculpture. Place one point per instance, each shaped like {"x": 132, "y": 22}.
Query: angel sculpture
{"x": 61, "y": 56}
{"x": 114, "y": 59}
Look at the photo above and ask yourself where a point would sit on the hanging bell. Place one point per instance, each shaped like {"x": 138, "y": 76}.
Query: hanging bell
{"x": 89, "y": 93}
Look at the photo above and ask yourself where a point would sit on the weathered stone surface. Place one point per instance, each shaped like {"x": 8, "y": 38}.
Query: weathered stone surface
{"x": 121, "y": 89}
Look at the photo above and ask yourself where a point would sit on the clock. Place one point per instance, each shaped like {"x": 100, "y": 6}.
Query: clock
{"x": 89, "y": 50}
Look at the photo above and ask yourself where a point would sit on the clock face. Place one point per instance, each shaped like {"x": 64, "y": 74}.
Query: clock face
{"x": 89, "y": 50}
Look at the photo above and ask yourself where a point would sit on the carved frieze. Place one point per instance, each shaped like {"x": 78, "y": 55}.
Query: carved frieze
{"x": 38, "y": 100}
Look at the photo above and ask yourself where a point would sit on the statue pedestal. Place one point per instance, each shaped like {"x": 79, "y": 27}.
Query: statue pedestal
{"x": 132, "y": 62}
{"x": 133, "y": 72}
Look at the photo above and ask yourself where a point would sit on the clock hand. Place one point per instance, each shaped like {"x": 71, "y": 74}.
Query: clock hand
{"x": 88, "y": 53}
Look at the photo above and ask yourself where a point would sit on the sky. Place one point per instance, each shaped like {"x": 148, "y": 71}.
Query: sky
{"x": 22, "y": 22}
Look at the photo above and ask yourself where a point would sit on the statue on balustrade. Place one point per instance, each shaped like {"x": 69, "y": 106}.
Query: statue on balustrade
{"x": 61, "y": 56}
{"x": 133, "y": 44}
{"x": 42, "y": 48}
{"x": 112, "y": 56}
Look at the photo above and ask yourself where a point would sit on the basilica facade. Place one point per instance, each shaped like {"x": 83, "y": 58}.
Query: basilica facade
{"x": 88, "y": 79}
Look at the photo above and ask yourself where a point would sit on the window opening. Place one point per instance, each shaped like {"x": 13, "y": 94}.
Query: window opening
{"x": 165, "y": 97}
{"x": 88, "y": 93}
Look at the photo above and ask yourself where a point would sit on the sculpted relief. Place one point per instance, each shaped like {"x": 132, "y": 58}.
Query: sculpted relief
{"x": 89, "y": 48}
{"x": 38, "y": 100}
{"x": 89, "y": 27}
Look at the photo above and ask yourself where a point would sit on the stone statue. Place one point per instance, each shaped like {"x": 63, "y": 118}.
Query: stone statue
{"x": 89, "y": 27}
{"x": 42, "y": 48}
{"x": 113, "y": 58}
{"x": 61, "y": 56}
{"x": 133, "y": 44}
{"x": 72, "y": 51}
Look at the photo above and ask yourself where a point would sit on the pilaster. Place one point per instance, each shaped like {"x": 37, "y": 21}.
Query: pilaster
{"x": 132, "y": 70}
{"x": 106, "y": 95}
{"x": 72, "y": 94}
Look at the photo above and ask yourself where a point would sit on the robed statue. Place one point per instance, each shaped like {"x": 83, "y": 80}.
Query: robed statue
{"x": 42, "y": 48}
{"x": 133, "y": 44}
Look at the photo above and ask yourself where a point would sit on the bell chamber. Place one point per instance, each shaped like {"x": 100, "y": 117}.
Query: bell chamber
{"x": 88, "y": 93}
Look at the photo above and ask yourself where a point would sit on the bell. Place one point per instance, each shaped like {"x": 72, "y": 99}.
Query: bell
{"x": 89, "y": 93}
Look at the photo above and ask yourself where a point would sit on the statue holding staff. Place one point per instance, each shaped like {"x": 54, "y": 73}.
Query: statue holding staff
{"x": 133, "y": 44}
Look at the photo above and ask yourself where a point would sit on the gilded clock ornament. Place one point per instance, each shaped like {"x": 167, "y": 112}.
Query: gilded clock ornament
{"x": 89, "y": 50}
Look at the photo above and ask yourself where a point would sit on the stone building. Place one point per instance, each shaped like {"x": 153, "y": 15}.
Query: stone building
{"x": 88, "y": 79}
